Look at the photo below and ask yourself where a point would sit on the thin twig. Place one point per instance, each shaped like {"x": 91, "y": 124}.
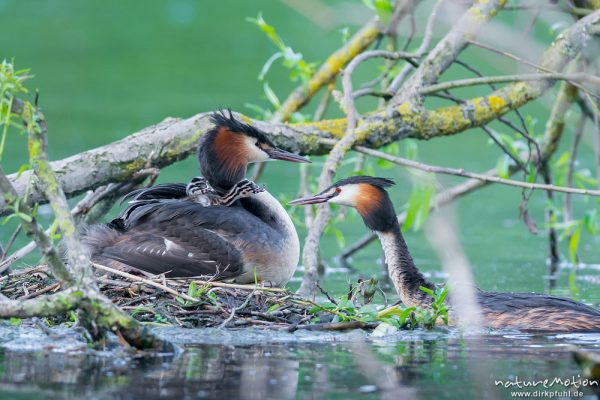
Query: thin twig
{"x": 144, "y": 281}
{"x": 461, "y": 172}
{"x": 11, "y": 241}
{"x": 397, "y": 81}
{"x": 576, "y": 77}
{"x": 310, "y": 254}
{"x": 522, "y": 60}
{"x": 233, "y": 310}
{"x": 503, "y": 148}
{"x": 40, "y": 292}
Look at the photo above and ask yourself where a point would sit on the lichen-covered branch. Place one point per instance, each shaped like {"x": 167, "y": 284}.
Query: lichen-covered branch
{"x": 172, "y": 140}
{"x": 310, "y": 253}
{"x": 33, "y": 229}
{"x": 411, "y": 120}
{"x": 447, "y": 49}
{"x": 46, "y": 181}
{"x": 45, "y": 306}
{"x": 95, "y": 311}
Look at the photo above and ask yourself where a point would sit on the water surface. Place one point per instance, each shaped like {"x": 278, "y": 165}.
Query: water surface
{"x": 254, "y": 364}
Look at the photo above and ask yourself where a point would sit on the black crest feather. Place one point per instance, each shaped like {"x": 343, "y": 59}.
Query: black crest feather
{"x": 219, "y": 175}
{"x": 371, "y": 180}
{"x": 225, "y": 119}
{"x": 382, "y": 216}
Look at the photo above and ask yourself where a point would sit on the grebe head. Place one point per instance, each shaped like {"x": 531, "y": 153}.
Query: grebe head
{"x": 365, "y": 193}
{"x": 226, "y": 150}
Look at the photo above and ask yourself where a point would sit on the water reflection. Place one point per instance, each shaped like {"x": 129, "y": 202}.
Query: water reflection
{"x": 415, "y": 365}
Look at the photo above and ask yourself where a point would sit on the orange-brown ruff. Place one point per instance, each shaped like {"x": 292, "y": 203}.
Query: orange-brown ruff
{"x": 368, "y": 199}
{"x": 230, "y": 148}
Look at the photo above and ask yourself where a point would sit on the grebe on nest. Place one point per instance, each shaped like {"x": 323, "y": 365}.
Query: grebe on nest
{"x": 177, "y": 229}
{"x": 523, "y": 311}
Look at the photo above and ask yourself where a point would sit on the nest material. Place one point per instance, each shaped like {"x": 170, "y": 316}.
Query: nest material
{"x": 188, "y": 303}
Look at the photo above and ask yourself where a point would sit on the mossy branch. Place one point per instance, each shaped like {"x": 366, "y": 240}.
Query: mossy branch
{"x": 96, "y": 312}
{"x": 446, "y": 51}
{"x": 45, "y": 306}
{"x": 172, "y": 140}
{"x": 47, "y": 182}
{"x": 33, "y": 229}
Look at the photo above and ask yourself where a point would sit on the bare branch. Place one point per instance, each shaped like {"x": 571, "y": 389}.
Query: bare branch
{"x": 33, "y": 230}
{"x": 575, "y": 77}
{"x": 423, "y": 47}
{"x": 447, "y": 49}
{"x": 46, "y": 306}
{"x": 310, "y": 253}
{"x": 461, "y": 172}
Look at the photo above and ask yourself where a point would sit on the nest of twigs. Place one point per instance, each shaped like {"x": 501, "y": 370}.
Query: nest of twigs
{"x": 189, "y": 303}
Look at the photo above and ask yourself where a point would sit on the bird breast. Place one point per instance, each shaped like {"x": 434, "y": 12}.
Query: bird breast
{"x": 273, "y": 252}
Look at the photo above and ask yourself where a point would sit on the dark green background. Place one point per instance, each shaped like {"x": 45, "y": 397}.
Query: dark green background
{"x": 107, "y": 69}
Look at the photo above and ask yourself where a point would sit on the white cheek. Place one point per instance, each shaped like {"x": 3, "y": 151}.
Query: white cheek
{"x": 255, "y": 153}
{"x": 347, "y": 197}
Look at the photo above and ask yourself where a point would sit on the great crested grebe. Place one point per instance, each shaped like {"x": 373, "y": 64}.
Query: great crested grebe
{"x": 169, "y": 229}
{"x": 523, "y": 311}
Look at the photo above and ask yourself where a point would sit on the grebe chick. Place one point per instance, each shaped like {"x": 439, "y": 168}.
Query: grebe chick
{"x": 199, "y": 191}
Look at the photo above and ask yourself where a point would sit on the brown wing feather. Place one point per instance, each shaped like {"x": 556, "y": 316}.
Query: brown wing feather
{"x": 180, "y": 251}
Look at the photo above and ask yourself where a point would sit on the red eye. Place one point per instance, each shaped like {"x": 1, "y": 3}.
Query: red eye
{"x": 338, "y": 189}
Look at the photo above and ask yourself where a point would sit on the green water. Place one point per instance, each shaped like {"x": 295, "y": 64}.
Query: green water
{"x": 251, "y": 364}
{"x": 107, "y": 69}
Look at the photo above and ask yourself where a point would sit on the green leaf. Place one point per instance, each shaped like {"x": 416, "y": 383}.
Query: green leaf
{"x": 268, "y": 30}
{"x": 419, "y": 204}
{"x": 339, "y": 236}
{"x": 502, "y": 166}
{"x": 271, "y": 96}
{"x": 385, "y": 164}
{"x": 267, "y": 66}
{"x": 574, "y": 244}
{"x": 411, "y": 149}
{"x": 383, "y": 8}
{"x": 590, "y": 222}
{"x": 25, "y": 217}
{"x": 274, "y": 307}
{"x": 427, "y": 290}
{"x": 573, "y": 284}
{"x": 23, "y": 168}
{"x": 583, "y": 178}
{"x": 563, "y": 159}
{"x": 192, "y": 288}
{"x": 532, "y": 172}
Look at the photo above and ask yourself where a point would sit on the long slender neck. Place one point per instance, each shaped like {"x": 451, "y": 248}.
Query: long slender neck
{"x": 401, "y": 268}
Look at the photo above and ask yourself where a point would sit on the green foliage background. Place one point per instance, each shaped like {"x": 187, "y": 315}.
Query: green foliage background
{"x": 107, "y": 69}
